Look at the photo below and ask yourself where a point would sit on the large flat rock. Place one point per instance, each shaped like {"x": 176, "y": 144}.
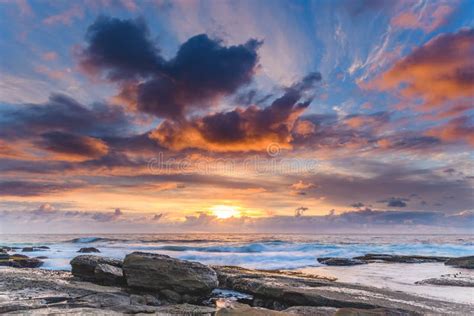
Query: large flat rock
{"x": 281, "y": 290}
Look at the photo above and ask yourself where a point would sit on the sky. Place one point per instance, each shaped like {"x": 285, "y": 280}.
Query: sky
{"x": 237, "y": 116}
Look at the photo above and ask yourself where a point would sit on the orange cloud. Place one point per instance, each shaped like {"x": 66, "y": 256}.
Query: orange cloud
{"x": 456, "y": 130}
{"x": 438, "y": 72}
{"x": 432, "y": 17}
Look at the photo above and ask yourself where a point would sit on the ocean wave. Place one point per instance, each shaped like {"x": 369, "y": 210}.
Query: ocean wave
{"x": 86, "y": 240}
{"x": 248, "y": 248}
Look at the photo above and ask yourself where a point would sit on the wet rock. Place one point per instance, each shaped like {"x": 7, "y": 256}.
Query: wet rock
{"x": 185, "y": 309}
{"x": 374, "y": 312}
{"x": 163, "y": 273}
{"x": 280, "y": 291}
{"x": 19, "y": 256}
{"x": 84, "y": 266}
{"x": 19, "y": 261}
{"x": 32, "y": 249}
{"x": 108, "y": 275}
{"x": 238, "y": 309}
{"x": 457, "y": 279}
{"x": 461, "y": 262}
{"x": 41, "y": 257}
{"x": 89, "y": 250}
{"x": 340, "y": 261}
{"x": 311, "y": 310}
{"x": 4, "y": 256}
{"x": 371, "y": 257}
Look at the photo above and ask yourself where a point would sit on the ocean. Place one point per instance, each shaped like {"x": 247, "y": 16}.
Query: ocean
{"x": 257, "y": 251}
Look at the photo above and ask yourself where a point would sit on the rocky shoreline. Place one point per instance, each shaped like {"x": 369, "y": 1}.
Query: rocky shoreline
{"x": 145, "y": 283}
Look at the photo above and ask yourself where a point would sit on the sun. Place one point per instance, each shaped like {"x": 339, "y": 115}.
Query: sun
{"x": 225, "y": 211}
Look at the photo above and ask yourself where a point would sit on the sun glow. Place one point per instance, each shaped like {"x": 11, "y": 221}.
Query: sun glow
{"x": 225, "y": 211}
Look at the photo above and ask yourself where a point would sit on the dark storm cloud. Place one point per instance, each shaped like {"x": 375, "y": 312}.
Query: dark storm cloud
{"x": 122, "y": 47}
{"x": 202, "y": 70}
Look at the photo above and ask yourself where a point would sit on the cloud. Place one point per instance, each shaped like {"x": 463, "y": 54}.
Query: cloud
{"x": 34, "y": 188}
{"x": 121, "y": 48}
{"x": 157, "y": 217}
{"x": 107, "y": 217}
{"x": 349, "y": 221}
{"x": 74, "y": 147}
{"x": 202, "y": 71}
{"x": 358, "y": 205}
{"x": 301, "y": 187}
{"x": 62, "y": 113}
{"x": 395, "y": 202}
{"x": 440, "y": 71}
{"x": 457, "y": 130}
{"x": 429, "y": 18}
{"x": 300, "y": 210}
{"x": 243, "y": 129}
{"x": 65, "y": 17}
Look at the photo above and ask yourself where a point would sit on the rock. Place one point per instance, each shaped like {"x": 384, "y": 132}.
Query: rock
{"x": 108, "y": 275}
{"x": 19, "y": 261}
{"x": 373, "y": 312}
{"x": 4, "y": 256}
{"x": 311, "y": 310}
{"x": 371, "y": 257}
{"x": 137, "y": 300}
{"x": 18, "y": 255}
{"x": 461, "y": 262}
{"x": 84, "y": 266}
{"x": 277, "y": 290}
{"x": 457, "y": 279}
{"x": 340, "y": 261}
{"x": 151, "y": 300}
{"x": 41, "y": 257}
{"x": 163, "y": 273}
{"x": 31, "y": 249}
{"x": 171, "y": 296}
{"x": 185, "y": 309}
{"x": 88, "y": 250}
{"x": 238, "y": 309}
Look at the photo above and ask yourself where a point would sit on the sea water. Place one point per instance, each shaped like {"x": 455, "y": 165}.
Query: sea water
{"x": 257, "y": 251}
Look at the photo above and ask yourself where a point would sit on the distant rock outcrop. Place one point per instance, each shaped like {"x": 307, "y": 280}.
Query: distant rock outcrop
{"x": 371, "y": 257}
{"x": 340, "y": 261}
{"x": 89, "y": 250}
{"x": 461, "y": 262}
